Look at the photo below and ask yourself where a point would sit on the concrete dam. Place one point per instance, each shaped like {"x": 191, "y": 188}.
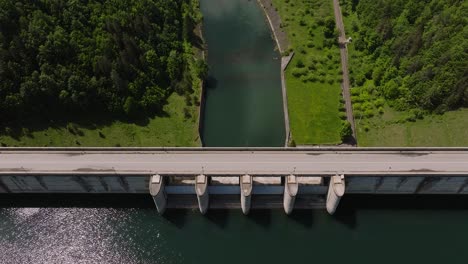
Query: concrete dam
{"x": 241, "y": 178}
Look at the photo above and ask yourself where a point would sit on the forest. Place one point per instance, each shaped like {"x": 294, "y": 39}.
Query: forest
{"x": 411, "y": 54}
{"x": 60, "y": 59}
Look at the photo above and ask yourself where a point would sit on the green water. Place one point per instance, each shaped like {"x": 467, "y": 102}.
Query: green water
{"x": 243, "y": 95}
{"x": 403, "y": 230}
{"x": 243, "y": 108}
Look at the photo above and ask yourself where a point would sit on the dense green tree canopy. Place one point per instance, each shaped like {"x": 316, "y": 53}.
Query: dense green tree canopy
{"x": 414, "y": 50}
{"x": 79, "y": 57}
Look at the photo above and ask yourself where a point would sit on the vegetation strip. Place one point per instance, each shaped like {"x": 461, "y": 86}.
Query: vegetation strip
{"x": 342, "y": 42}
{"x": 314, "y": 94}
{"x": 408, "y": 68}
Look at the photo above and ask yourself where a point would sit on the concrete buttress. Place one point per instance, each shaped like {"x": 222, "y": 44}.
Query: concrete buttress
{"x": 157, "y": 191}
{"x": 246, "y": 193}
{"x": 291, "y": 187}
{"x": 201, "y": 188}
{"x": 336, "y": 190}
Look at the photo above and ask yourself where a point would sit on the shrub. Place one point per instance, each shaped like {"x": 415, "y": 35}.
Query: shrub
{"x": 381, "y": 110}
{"x": 379, "y": 102}
{"x": 346, "y": 130}
{"x": 292, "y": 143}
{"x": 417, "y": 113}
{"x": 298, "y": 72}
{"x": 357, "y": 106}
{"x": 187, "y": 114}
{"x": 300, "y": 63}
{"x": 72, "y": 128}
{"x": 312, "y": 78}
{"x": 355, "y": 91}
{"x": 342, "y": 115}
{"x": 369, "y": 113}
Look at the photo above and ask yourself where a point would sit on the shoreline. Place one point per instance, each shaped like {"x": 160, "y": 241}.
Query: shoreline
{"x": 280, "y": 38}
{"x": 201, "y": 107}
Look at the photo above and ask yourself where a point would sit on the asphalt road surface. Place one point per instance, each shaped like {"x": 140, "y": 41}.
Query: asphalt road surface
{"x": 280, "y": 162}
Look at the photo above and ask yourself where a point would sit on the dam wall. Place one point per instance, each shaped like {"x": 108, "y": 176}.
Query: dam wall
{"x": 180, "y": 191}
{"x": 139, "y": 184}
{"x": 288, "y": 178}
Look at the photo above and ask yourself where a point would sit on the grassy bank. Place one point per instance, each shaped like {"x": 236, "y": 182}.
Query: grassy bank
{"x": 447, "y": 130}
{"x": 173, "y": 129}
{"x": 313, "y": 76}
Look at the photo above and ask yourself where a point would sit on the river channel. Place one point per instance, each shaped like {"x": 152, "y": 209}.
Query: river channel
{"x": 243, "y": 108}
{"x": 243, "y": 94}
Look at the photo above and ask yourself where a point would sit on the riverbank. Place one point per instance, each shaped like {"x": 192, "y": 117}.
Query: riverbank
{"x": 314, "y": 76}
{"x": 201, "y": 53}
{"x": 282, "y": 43}
{"x": 274, "y": 20}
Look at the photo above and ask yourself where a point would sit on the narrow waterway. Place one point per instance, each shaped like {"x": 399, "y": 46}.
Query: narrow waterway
{"x": 243, "y": 109}
{"x": 243, "y": 94}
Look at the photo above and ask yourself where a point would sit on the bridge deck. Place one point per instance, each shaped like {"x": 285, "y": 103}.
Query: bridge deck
{"x": 224, "y": 162}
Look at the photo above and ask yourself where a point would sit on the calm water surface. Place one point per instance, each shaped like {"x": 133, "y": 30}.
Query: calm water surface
{"x": 243, "y": 108}
{"x": 243, "y": 96}
{"x": 130, "y": 235}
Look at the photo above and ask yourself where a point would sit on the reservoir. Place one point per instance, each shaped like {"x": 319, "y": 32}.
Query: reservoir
{"x": 243, "y": 108}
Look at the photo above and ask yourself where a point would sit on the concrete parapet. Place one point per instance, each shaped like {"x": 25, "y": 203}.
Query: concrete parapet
{"x": 201, "y": 188}
{"x": 157, "y": 191}
{"x": 336, "y": 190}
{"x": 291, "y": 187}
{"x": 246, "y": 185}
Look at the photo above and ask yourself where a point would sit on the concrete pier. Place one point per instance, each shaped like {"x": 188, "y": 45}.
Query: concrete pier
{"x": 246, "y": 186}
{"x": 336, "y": 190}
{"x": 201, "y": 188}
{"x": 291, "y": 187}
{"x": 157, "y": 191}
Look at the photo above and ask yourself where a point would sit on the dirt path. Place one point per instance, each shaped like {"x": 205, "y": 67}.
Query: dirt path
{"x": 344, "y": 67}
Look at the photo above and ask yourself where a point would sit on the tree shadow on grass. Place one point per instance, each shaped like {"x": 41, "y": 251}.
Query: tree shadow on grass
{"x": 25, "y": 127}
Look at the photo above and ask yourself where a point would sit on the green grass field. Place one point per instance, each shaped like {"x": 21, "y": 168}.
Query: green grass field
{"x": 171, "y": 130}
{"x": 447, "y": 130}
{"x": 313, "y": 89}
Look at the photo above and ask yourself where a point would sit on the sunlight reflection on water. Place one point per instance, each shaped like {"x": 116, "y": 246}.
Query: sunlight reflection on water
{"x": 66, "y": 235}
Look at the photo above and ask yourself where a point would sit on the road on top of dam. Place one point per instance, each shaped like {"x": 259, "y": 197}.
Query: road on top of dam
{"x": 235, "y": 162}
